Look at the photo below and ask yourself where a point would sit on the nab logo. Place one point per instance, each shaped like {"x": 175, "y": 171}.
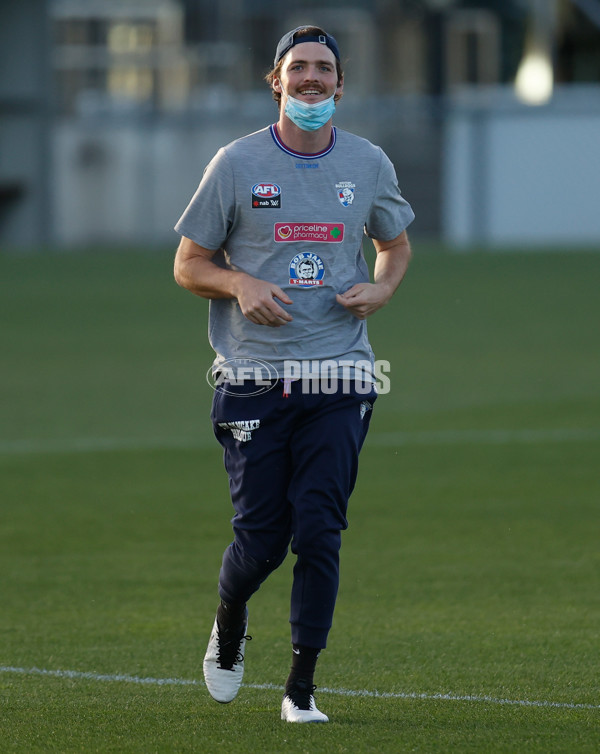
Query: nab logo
{"x": 266, "y": 196}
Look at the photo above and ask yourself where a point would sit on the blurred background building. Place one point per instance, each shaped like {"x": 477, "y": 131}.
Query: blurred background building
{"x": 110, "y": 110}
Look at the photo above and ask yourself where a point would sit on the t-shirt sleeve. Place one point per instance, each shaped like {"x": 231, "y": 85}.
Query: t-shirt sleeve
{"x": 209, "y": 216}
{"x": 390, "y": 213}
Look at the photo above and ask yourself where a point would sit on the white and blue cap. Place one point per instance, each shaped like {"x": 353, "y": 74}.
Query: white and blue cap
{"x": 290, "y": 40}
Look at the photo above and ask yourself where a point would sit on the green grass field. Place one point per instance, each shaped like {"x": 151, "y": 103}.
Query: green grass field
{"x": 469, "y": 610}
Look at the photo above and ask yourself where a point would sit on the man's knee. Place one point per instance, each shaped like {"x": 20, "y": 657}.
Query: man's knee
{"x": 250, "y": 558}
{"x": 316, "y": 545}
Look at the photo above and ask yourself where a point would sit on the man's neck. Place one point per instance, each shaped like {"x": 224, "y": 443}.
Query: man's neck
{"x": 308, "y": 142}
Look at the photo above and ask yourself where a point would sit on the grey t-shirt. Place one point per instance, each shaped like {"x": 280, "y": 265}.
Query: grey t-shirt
{"x": 296, "y": 220}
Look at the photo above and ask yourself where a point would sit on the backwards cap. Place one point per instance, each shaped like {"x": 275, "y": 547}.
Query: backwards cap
{"x": 290, "y": 40}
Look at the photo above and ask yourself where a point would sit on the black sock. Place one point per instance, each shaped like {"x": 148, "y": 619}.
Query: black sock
{"x": 304, "y": 662}
{"x": 231, "y": 615}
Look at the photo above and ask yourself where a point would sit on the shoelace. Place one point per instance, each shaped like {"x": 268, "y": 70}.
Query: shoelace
{"x": 229, "y": 649}
{"x": 301, "y": 694}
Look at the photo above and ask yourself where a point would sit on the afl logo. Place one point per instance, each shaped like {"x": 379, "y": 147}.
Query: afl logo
{"x": 266, "y": 195}
{"x": 306, "y": 270}
{"x": 266, "y": 190}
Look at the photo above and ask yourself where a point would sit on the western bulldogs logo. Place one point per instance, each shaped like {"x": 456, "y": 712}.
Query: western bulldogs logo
{"x": 345, "y": 192}
{"x": 266, "y": 196}
{"x": 306, "y": 270}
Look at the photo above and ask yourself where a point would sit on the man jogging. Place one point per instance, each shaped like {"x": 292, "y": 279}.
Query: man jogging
{"x": 273, "y": 237}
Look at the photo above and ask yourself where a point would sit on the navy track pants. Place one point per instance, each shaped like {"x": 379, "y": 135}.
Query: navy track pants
{"x": 292, "y": 464}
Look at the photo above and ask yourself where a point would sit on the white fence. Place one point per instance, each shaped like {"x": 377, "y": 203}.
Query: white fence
{"x": 125, "y": 183}
{"x": 517, "y": 175}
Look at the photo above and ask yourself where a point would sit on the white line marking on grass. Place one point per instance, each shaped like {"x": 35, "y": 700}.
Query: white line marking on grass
{"x": 383, "y": 439}
{"x": 96, "y": 444}
{"x": 89, "y": 676}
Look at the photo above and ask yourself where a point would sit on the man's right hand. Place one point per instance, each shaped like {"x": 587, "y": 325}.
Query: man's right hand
{"x": 257, "y": 301}
{"x": 195, "y": 271}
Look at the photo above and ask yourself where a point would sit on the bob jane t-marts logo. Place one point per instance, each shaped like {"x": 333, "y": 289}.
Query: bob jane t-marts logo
{"x": 306, "y": 270}
{"x": 307, "y": 232}
{"x": 266, "y": 196}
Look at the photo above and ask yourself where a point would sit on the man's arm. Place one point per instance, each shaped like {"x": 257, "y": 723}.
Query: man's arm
{"x": 391, "y": 263}
{"x": 195, "y": 271}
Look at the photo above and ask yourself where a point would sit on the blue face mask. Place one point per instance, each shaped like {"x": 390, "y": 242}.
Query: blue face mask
{"x": 309, "y": 117}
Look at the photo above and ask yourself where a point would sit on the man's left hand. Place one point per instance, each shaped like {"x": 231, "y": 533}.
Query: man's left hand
{"x": 364, "y": 299}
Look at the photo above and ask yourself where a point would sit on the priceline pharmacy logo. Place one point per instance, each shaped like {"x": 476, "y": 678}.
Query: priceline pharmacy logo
{"x": 244, "y": 378}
